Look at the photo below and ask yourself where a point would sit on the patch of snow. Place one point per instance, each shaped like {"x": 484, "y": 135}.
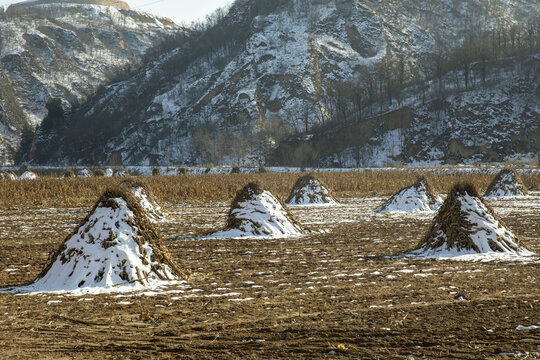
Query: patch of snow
{"x": 84, "y": 173}
{"x": 532, "y": 327}
{"x": 150, "y": 205}
{"x": 505, "y": 184}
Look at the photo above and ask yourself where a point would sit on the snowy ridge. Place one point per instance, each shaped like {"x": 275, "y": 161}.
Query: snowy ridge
{"x": 414, "y": 198}
{"x": 260, "y": 216}
{"x": 108, "y": 253}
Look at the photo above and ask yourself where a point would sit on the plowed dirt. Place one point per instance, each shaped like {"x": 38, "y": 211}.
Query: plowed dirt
{"x": 339, "y": 292}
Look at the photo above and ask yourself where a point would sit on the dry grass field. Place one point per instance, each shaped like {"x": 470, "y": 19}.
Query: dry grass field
{"x": 75, "y": 192}
{"x": 343, "y": 291}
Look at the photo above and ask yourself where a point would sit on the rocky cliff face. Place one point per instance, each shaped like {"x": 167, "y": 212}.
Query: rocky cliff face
{"x": 479, "y": 125}
{"x": 296, "y": 68}
{"x": 67, "y": 50}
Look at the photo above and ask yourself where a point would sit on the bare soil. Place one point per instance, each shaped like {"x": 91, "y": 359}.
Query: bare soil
{"x": 339, "y": 292}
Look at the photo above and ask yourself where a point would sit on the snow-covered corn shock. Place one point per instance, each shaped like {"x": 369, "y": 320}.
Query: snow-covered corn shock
{"x": 256, "y": 213}
{"x": 28, "y": 175}
{"x": 84, "y": 173}
{"x": 115, "y": 249}
{"x": 310, "y": 191}
{"x": 466, "y": 228}
{"x": 506, "y": 184}
{"x": 415, "y": 198}
{"x": 146, "y": 199}
{"x": 7, "y": 175}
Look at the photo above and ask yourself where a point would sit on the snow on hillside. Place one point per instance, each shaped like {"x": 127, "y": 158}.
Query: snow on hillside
{"x": 68, "y": 50}
{"x": 279, "y": 79}
{"x": 477, "y": 125}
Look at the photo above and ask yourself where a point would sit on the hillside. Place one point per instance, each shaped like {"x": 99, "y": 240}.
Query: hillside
{"x": 265, "y": 74}
{"x": 67, "y": 50}
{"x": 496, "y": 123}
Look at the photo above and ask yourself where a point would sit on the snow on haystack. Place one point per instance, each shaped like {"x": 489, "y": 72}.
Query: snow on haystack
{"x": 115, "y": 249}
{"x": 310, "y": 191}
{"x": 121, "y": 173}
{"x": 28, "y": 175}
{"x": 506, "y": 184}
{"x": 68, "y": 174}
{"x": 146, "y": 199}
{"x": 256, "y": 213}
{"x": 414, "y": 198}
{"x": 466, "y": 225}
{"x": 7, "y": 175}
{"x": 84, "y": 173}
{"x": 109, "y": 172}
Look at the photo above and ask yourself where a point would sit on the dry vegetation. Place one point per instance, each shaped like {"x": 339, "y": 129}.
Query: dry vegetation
{"x": 76, "y": 192}
{"x": 332, "y": 294}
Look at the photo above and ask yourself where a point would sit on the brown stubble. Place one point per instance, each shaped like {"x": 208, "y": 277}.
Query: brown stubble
{"x": 76, "y": 192}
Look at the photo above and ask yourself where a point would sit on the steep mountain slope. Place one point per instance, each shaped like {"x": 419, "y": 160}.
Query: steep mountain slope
{"x": 290, "y": 68}
{"x": 489, "y": 124}
{"x": 66, "y": 50}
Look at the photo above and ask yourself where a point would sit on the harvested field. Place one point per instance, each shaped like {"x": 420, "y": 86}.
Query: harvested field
{"x": 338, "y": 292}
{"x": 47, "y": 192}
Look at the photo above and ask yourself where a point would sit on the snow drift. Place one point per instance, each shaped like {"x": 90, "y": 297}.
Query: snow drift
{"x": 466, "y": 225}
{"x": 146, "y": 199}
{"x": 310, "y": 191}
{"x": 115, "y": 248}
{"x": 414, "y": 198}
{"x": 506, "y": 184}
{"x": 255, "y": 212}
